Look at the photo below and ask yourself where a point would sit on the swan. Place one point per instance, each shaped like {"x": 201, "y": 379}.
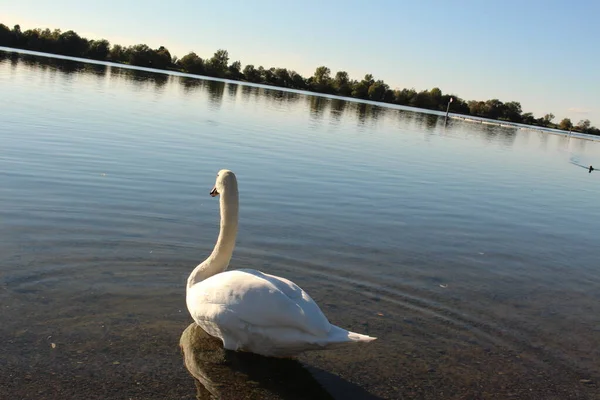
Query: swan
{"x": 252, "y": 311}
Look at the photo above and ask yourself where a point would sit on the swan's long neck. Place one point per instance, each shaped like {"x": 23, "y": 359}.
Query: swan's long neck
{"x": 218, "y": 261}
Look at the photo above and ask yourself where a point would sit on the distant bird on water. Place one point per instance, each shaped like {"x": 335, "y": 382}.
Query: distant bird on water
{"x": 591, "y": 169}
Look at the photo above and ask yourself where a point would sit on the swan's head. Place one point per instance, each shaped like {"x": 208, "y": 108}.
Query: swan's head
{"x": 225, "y": 180}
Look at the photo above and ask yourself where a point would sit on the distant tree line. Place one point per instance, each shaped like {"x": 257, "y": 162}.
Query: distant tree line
{"x": 70, "y": 43}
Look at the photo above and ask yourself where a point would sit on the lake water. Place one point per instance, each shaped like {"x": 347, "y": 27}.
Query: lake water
{"x": 470, "y": 251}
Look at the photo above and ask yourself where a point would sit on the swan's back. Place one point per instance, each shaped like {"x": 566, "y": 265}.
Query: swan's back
{"x": 257, "y": 299}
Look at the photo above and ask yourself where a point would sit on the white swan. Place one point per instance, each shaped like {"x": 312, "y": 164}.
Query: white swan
{"x": 250, "y": 310}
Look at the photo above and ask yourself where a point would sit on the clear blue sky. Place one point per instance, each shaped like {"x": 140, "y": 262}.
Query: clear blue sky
{"x": 544, "y": 54}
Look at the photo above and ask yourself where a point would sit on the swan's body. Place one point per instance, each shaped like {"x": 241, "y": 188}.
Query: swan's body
{"x": 250, "y": 310}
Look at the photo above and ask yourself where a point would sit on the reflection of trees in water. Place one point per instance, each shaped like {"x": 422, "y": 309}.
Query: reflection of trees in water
{"x": 45, "y": 63}
{"x": 97, "y": 69}
{"x": 317, "y": 107}
{"x": 405, "y": 117}
{"x": 336, "y": 109}
{"x": 430, "y": 121}
{"x": 498, "y": 134}
{"x": 14, "y": 60}
{"x": 67, "y": 67}
{"x": 280, "y": 96}
{"x": 249, "y": 91}
{"x": 216, "y": 90}
{"x": 508, "y": 136}
{"x": 232, "y": 89}
{"x": 141, "y": 77}
{"x": 190, "y": 85}
{"x": 368, "y": 113}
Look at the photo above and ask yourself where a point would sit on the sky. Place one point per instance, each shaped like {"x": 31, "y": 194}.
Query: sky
{"x": 544, "y": 54}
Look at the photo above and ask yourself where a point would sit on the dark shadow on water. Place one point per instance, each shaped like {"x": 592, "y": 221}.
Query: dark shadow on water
{"x": 225, "y": 374}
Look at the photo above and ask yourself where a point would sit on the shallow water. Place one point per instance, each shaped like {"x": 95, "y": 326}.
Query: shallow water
{"x": 471, "y": 251}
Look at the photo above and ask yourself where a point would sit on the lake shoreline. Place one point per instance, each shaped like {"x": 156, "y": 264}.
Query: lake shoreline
{"x": 178, "y": 72}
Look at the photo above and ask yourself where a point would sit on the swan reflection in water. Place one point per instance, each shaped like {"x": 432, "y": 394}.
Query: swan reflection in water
{"x": 225, "y": 374}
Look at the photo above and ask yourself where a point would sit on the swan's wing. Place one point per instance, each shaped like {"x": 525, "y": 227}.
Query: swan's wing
{"x": 261, "y": 300}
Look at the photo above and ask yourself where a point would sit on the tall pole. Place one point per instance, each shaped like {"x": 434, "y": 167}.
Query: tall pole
{"x": 447, "y": 109}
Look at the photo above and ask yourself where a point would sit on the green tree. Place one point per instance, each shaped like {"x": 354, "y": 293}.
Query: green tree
{"x": 583, "y": 125}
{"x": 423, "y": 99}
{"x": 282, "y": 77}
{"x": 493, "y": 109}
{"x": 161, "y": 58}
{"x": 98, "y": 49}
{"x": 217, "y": 65}
{"x": 71, "y": 44}
{"x": 405, "y": 96}
{"x": 270, "y": 76}
{"x": 361, "y": 89}
{"x": 341, "y": 83}
{"x": 251, "y": 74}
{"x": 18, "y": 39}
{"x": 565, "y": 124}
{"x": 436, "y": 100}
{"x": 389, "y": 97}
{"x": 512, "y": 111}
{"x": 321, "y": 81}
{"x": 548, "y": 119}
{"x": 477, "y": 108}
{"x": 377, "y": 91}
{"x": 528, "y": 118}
{"x": 192, "y": 63}
{"x": 234, "y": 71}
{"x": 117, "y": 53}
{"x": 298, "y": 81}
{"x": 5, "y": 36}
{"x": 140, "y": 55}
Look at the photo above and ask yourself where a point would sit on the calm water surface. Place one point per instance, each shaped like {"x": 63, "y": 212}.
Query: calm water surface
{"x": 470, "y": 251}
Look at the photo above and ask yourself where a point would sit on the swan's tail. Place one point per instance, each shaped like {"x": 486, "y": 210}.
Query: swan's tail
{"x": 288, "y": 342}
{"x": 340, "y": 337}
